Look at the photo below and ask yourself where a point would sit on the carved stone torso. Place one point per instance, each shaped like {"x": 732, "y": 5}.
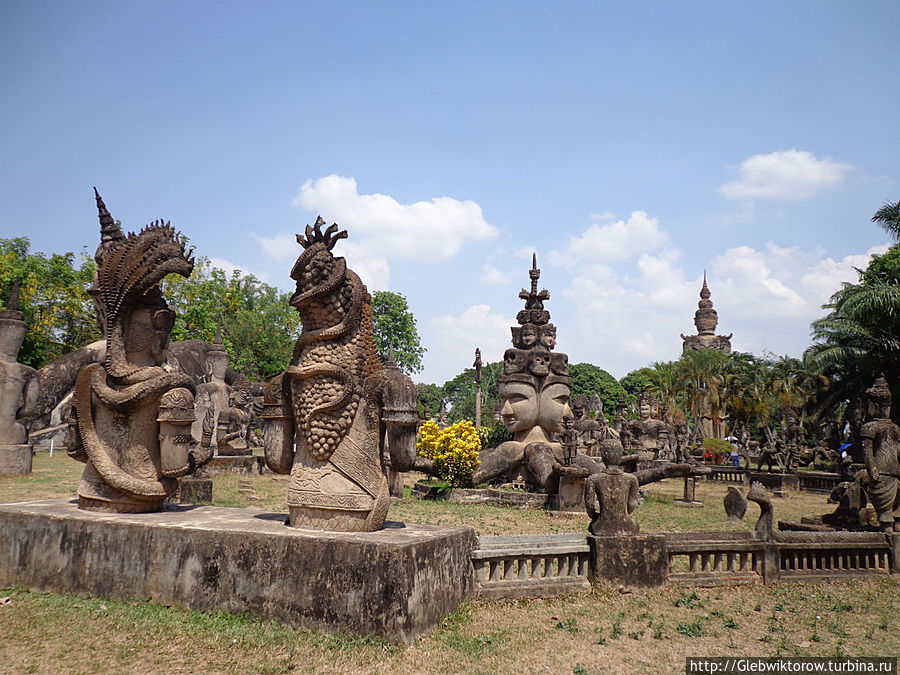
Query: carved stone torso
{"x": 610, "y": 497}
{"x": 15, "y": 381}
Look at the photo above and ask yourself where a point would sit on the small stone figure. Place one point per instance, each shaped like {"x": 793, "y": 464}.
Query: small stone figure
{"x": 133, "y": 418}
{"x": 611, "y": 496}
{"x": 595, "y": 407}
{"x": 765, "y": 526}
{"x": 794, "y": 442}
{"x": 477, "y": 366}
{"x": 212, "y": 395}
{"x": 771, "y": 456}
{"x": 328, "y": 417}
{"x": 587, "y": 429}
{"x": 735, "y": 504}
{"x": 881, "y": 448}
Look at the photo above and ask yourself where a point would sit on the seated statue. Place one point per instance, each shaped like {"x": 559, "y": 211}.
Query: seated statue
{"x": 881, "y": 449}
{"x": 611, "y": 495}
{"x": 650, "y": 434}
{"x": 132, "y": 417}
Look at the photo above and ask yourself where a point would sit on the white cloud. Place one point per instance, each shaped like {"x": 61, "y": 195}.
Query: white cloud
{"x": 452, "y": 341}
{"x": 229, "y": 268}
{"x": 785, "y": 175}
{"x": 280, "y": 248}
{"x": 425, "y": 230}
{"x": 491, "y": 275}
{"x": 602, "y": 216}
{"x": 617, "y": 241}
{"x": 372, "y": 268}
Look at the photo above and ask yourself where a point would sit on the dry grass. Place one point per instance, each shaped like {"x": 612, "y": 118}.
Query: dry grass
{"x": 603, "y": 630}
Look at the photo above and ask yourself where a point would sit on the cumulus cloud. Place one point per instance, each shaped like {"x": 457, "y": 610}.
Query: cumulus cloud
{"x": 372, "y": 268}
{"x": 785, "y": 175}
{"x": 491, "y": 275}
{"x": 229, "y": 268}
{"x": 280, "y": 248}
{"x": 630, "y": 315}
{"x": 616, "y": 241}
{"x": 452, "y": 340}
{"x": 425, "y": 230}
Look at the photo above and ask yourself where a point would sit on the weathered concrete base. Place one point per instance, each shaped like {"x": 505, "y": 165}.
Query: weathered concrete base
{"x": 779, "y": 484}
{"x": 245, "y": 465}
{"x": 630, "y": 560}
{"x": 195, "y": 490}
{"x": 15, "y": 460}
{"x": 395, "y": 584}
{"x": 571, "y": 493}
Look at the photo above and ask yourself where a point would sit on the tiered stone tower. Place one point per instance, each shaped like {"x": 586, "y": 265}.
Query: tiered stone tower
{"x": 706, "y": 319}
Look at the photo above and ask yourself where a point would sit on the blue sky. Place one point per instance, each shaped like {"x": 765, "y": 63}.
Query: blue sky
{"x": 631, "y": 145}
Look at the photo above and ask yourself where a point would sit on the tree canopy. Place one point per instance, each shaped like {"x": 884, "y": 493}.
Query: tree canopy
{"x": 395, "y": 331}
{"x": 58, "y": 312}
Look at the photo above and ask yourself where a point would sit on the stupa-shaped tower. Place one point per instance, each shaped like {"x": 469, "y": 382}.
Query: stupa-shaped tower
{"x": 706, "y": 319}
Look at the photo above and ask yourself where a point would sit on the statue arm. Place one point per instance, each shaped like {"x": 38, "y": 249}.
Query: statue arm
{"x": 634, "y": 495}
{"x": 31, "y": 397}
{"x": 278, "y": 427}
{"x": 868, "y": 442}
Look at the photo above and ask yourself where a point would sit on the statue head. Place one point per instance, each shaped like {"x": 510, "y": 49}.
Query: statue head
{"x": 529, "y": 336}
{"x": 646, "y": 405}
{"x": 217, "y": 359}
{"x": 879, "y": 397}
{"x": 132, "y": 311}
{"x": 579, "y": 406}
{"x": 12, "y": 328}
{"x": 539, "y": 362}
{"x": 547, "y": 336}
{"x": 519, "y": 402}
{"x": 611, "y": 452}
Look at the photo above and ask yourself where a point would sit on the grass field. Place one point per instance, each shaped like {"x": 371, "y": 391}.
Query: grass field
{"x": 602, "y": 630}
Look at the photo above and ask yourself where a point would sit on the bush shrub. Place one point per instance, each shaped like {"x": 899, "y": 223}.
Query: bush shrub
{"x": 454, "y": 450}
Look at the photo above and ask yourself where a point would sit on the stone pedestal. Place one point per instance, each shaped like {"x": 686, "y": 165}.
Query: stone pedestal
{"x": 395, "y": 584}
{"x": 690, "y": 490}
{"x": 15, "y": 460}
{"x": 245, "y": 465}
{"x": 779, "y": 484}
{"x": 195, "y": 490}
{"x": 571, "y": 489}
{"x": 895, "y": 552}
{"x": 630, "y": 560}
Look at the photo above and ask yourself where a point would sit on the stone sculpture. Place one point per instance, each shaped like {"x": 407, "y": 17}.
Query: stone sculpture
{"x": 213, "y": 400}
{"x": 534, "y": 394}
{"x": 132, "y": 420}
{"x": 477, "y": 366}
{"x": 735, "y": 505}
{"x": 18, "y": 391}
{"x": 650, "y": 434}
{"x": 336, "y": 403}
{"x": 588, "y": 431}
{"x": 770, "y": 455}
{"x": 765, "y": 526}
{"x": 611, "y": 496}
{"x": 881, "y": 449}
{"x": 794, "y": 442}
{"x": 706, "y": 319}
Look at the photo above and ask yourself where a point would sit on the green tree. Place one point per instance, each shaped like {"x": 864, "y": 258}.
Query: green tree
{"x": 460, "y": 394}
{"x": 430, "y": 397}
{"x": 395, "y": 331}
{"x": 888, "y": 219}
{"x": 588, "y": 378}
{"x": 259, "y": 327}
{"x": 58, "y": 312}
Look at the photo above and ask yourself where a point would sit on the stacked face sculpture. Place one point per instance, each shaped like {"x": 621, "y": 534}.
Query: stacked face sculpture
{"x": 133, "y": 418}
{"x": 336, "y": 401}
{"x": 534, "y": 395}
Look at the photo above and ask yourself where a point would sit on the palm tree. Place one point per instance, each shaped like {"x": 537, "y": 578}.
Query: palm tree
{"x": 888, "y": 219}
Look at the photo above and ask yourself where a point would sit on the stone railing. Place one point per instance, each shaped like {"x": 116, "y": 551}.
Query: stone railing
{"x": 530, "y": 566}
{"x": 714, "y": 558}
{"x": 541, "y": 566}
{"x": 727, "y": 474}
{"x": 818, "y": 481}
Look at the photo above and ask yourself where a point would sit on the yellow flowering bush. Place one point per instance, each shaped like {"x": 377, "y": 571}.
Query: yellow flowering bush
{"x": 454, "y": 450}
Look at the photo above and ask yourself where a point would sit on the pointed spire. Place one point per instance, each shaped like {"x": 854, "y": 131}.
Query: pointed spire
{"x": 704, "y": 292}
{"x": 12, "y": 309}
{"x": 109, "y": 231}
{"x": 218, "y": 345}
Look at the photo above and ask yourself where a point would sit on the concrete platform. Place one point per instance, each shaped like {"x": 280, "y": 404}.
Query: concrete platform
{"x": 395, "y": 584}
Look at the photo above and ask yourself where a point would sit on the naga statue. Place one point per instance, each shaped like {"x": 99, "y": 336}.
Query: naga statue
{"x": 132, "y": 417}
{"x": 329, "y": 417}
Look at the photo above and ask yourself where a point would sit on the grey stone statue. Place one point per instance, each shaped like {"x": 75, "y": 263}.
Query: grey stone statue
{"x": 881, "y": 449}
{"x": 612, "y": 495}
{"x": 18, "y": 391}
{"x": 735, "y": 505}
{"x": 132, "y": 417}
{"x": 328, "y": 417}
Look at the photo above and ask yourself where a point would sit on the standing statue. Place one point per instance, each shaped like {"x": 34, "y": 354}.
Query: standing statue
{"x": 881, "y": 448}
{"x": 132, "y": 417}
{"x": 534, "y": 396}
{"x": 212, "y": 397}
{"x": 336, "y": 403}
{"x": 587, "y": 430}
{"x": 794, "y": 441}
{"x": 477, "y": 366}
{"x": 18, "y": 390}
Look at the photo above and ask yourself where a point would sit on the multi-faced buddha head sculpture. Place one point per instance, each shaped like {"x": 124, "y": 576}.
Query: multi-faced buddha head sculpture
{"x": 547, "y": 336}
{"x": 528, "y": 403}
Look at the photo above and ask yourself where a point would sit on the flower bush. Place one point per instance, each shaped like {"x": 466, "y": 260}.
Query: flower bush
{"x": 454, "y": 450}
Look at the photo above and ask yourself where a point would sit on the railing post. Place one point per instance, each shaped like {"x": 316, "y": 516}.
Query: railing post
{"x": 894, "y": 540}
{"x": 771, "y": 563}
